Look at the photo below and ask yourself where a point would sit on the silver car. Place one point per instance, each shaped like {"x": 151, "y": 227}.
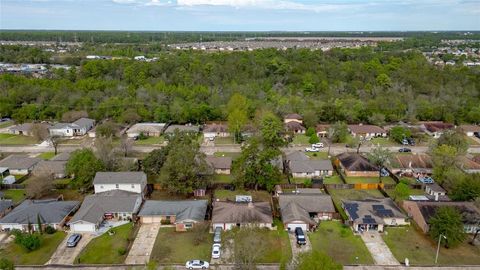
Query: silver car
{"x": 73, "y": 240}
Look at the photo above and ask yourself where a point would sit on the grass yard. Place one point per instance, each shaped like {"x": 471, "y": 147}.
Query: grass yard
{"x": 150, "y": 140}
{"x": 108, "y": 249}
{"x": 179, "y": 247}
{"x": 164, "y": 195}
{"x": 224, "y": 140}
{"x": 338, "y": 241}
{"x": 356, "y": 180}
{"x": 391, "y": 194}
{"x": 317, "y": 155}
{"x": 74, "y": 141}
{"x": 233, "y": 155}
{"x": 407, "y": 242}
{"x": 301, "y": 139}
{"x": 16, "y": 253}
{"x": 17, "y": 195}
{"x": 222, "y": 178}
{"x": 383, "y": 142}
{"x": 46, "y": 155}
{"x": 6, "y": 124}
{"x": 260, "y": 195}
{"x": 12, "y": 139}
{"x": 335, "y": 179}
{"x": 352, "y": 194}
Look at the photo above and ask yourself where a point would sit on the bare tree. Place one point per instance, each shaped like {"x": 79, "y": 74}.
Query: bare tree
{"x": 245, "y": 256}
{"x": 39, "y": 131}
{"x": 126, "y": 145}
{"x": 105, "y": 151}
{"x": 55, "y": 141}
{"x": 39, "y": 185}
{"x": 71, "y": 116}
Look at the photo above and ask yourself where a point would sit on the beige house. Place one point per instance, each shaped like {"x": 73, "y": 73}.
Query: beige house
{"x": 229, "y": 215}
{"x": 293, "y": 117}
{"x": 367, "y": 131}
{"x": 470, "y": 130}
{"x": 221, "y": 165}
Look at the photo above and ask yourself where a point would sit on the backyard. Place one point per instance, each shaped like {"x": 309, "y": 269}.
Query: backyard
{"x": 179, "y": 247}
{"x": 12, "y": 139}
{"x": 317, "y": 155}
{"x": 223, "y": 194}
{"x": 338, "y": 241}
{"x": 17, "y": 195}
{"x": 20, "y": 256}
{"x": 233, "y": 155}
{"x": 224, "y": 140}
{"x": 108, "y": 249}
{"x": 222, "y": 178}
{"x": 407, "y": 242}
{"x": 356, "y": 180}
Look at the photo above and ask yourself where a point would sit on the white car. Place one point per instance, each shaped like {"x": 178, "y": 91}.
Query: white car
{"x": 197, "y": 264}
{"x": 312, "y": 149}
{"x": 216, "y": 251}
{"x": 317, "y": 145}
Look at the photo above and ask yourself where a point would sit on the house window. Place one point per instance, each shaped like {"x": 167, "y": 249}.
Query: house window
{"x": 133, "y": 186}
{"x": 117, "y": 186}
{"x": 101, "y": 187}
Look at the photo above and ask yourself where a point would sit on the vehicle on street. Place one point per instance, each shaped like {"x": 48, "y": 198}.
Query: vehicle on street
{"x": 217, "y": 235}
{"x": 196, "y": 264}
{"x": 73, "y": 240}
{"x": 404, "y": 150}
{"x": 317, "y": 145}
{"x": 476, "y": 134}
{"x": 312, "y": 149}
{"x": 216, "y": 251}
{"x": 300, "y": 236}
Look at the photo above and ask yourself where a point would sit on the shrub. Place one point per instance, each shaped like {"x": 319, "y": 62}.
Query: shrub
{"x": 50, "y": 230}
{"x": 28, "y": 241}
{"x": 6, "y": 264}
{"x": 122, "y": 251}
{"x": 310, "y": 131}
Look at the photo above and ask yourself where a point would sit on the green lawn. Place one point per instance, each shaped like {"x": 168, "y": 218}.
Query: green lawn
{"x": 108, "y": 249}
{"x": 222, "y": 178}
{"x": 338, "y": 241}
{"x": 179, "y": 247}
{"x": 150, "y": 140}
{"x": 260, "y": 195}
{"x": 233, "y": 155}
{"x": 12, "y": 139}
{"x": 317, "y": 155}
{"x": 335, "y": 179}
{"x": 16, "y": 253}
{"x": 355, "y": 180}
{"x": 472, "y": 141}
{"x": 224, "y": 140}
{"x": 17, "y": 195}
{"x": 74, "y": 141}
{"x": 301, "y": 139}
{"x": 391, "y": 194}
{"x": 383, "y": 142}
{"x": 46, "y": 155}
{"x": 407, "y": 242}
{"x": 6, "y": 124}
{"x": 352, "y": 194}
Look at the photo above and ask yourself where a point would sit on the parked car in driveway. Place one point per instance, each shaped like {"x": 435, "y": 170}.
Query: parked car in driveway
{"x": 317, "y": 145}
{"x": 216, "y": 251}
{"x": 217, "y": 235}
{"x": 312, "y": 149}
{"x": 300, "y": 236}
{"x": 405, "y": 141}
{"x": 197, "y": 264}
{"x": 411, "y": 141}
{"x": 73, "y": 240}
{"x": 476, "y": 134}
{"x": 404, "y": 150}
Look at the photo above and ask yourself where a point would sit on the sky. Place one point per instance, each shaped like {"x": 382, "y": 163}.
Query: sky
{"x": 241, "y": 15}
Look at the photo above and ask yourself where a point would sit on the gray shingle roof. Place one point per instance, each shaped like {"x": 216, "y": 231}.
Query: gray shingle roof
{"x": 183, "y": 210}
{"x": 182, "y": 128}
{"x": 296, "y": 155}
{"x": 19, "y": 162}
{"x": 228, "y": 212}
{"x": 84, "y": 122}
{"x": 95, "y": 206}
{"x": 310, "y": 166}
{"x": 50, "y": 167}
{"x": 120, "y": 178}
{"x": 219, "y": 162}
{"x": 49, "y": 211}
{"x": 147, "y": 128}
{"x": 65, "y": 156}
{"x": 296, "y": 207}
{"x": 5, "y": 204}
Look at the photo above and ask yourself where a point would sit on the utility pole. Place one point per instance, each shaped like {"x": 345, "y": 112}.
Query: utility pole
{"x": 438, "y": 246}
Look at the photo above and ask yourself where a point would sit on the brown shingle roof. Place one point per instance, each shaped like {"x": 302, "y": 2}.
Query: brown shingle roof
{"x": 293, "y": 116}
{"x": 360, "y": 129}
{"x": 322, "y": 127}
{"x": 356, "y": 162}
{"x": 216, "y": 127}
{"x": 437, "y": 126}
{"x": 292, "y": 126}
{"x": 219, "y": 162}
{"x": 229, "y": 212}
{"x": 417, "y": 161}
{"x": 470, "y": 128}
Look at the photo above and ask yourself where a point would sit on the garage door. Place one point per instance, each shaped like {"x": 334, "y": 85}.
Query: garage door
{"x": 83, "y": 227}
{"x": 292, "y": 226}
{"x": 151, "y": 219}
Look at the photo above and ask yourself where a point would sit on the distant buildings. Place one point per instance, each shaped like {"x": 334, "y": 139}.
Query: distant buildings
{"x": 78, "y": 128}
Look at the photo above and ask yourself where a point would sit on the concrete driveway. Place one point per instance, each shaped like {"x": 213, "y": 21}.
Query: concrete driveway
{"x": 297, "y": 249}
{"x": 66, "y": 255}
{"x": 380, "y": 252}
{"x": 143, "y": 244}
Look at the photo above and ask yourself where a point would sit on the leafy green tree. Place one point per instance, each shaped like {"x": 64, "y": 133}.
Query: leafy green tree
{"x": 402, "y": 191}
{"x": 316, "y": 260}
{"x": 83, "y": 165}
{"x": 313, "y": 139}
{"x": 153, "y": 162}
{"x": 310, "y": 131}
{"x": 6, "y": 264}
{"x": 237, "y": 108}
{"x": 310, "y": 119}
{"x": 339, "y": 132}
{"x": 398, "y": 133}
{"x": 29, "y": 241}
{"x": 380, "y": 157}
{"x": 468, "y": 189}
{"x": 456, "y": 139}
{"x": 444, "y": 158}
{"x": 447, "y": 221}
{"x": 271, "y": 130}
{"x": 106, "y": 129}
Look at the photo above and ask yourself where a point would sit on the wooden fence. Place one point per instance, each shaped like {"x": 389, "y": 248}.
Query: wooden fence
{"x": 12, "y": 186}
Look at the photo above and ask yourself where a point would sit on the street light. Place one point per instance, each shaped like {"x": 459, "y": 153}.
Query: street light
{"x": 438, "y": 247}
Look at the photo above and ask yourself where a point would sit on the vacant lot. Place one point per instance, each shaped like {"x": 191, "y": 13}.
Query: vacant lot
{"x": 20, "y": 256}
{"x": 223, "y": 194}
{"x": 17, "y": 195}
{"x": 407, "y": 242}
{"x": 339, "y": 242}
{"x": 12, "y": 139}
{"x": 179, "y": 247}
{"x": 108, "y": 249}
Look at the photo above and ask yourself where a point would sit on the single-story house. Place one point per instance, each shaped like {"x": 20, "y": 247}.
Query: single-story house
{"x": 367, "y": 131}
{"x": 51, "y": 167}
{"x": 373, "y": 214}
{"x": 248, "y": 130}
{"x": 114, "y": 204}
{"x": 412, "y": 164}
{"x": 215, "y": 129}
{"x": 182, "y": 128}
{"x": 305, "y": 210}
{"x": 436, "y": 129}
{"x": 184, "y": 214}
{"x": 353, "y": 164}
{"x": 295, "y": 127}
{"x": 322, "y": 130}
{"x": 51, "y": 213}
{"x": 78, "y": 128}
{"x": 5, "y": 206}
{"x": 228, "y": 215}
{"x": 435, "y": 190}
{"x": 26, "y": 128}
{"x": 310, "y": 168}
{"x": 4, "y": 172}
{"x": 64, "y": 156}
{"x": 293, "y": 117}
{"x": 19, "y": 164}
{"x": 422, "y": 211}
{"x": 135, "y": 182}
{"x": 470, "y": 130}
{"x": 147, "y": 129}
{"x": 469, "y": 165}
{"x": 221, "y": 165}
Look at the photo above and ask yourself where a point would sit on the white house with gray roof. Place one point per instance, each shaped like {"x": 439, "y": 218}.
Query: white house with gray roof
{"x": 77, "y": 128}
{"x": 50, "y": 212}
{"x": 184, "y": 214}
{"x": 19, "y": 164}
{"x": 301, "y": 166}
{"x": 135, "y": 182}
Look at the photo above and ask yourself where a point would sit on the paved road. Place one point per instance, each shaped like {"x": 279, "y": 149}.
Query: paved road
{"x": 143, "y": 245}
{"x": 66, "y": 255}
{"x": 389, "y": 267}
{"x": 380, "y": 252}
